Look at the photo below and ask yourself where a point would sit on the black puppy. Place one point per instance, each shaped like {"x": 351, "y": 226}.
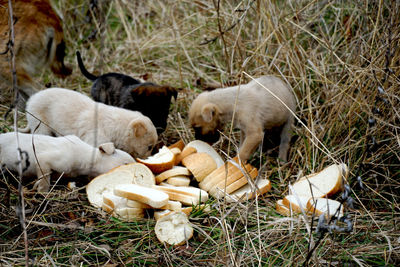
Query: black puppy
{"x": 123, "y": 91}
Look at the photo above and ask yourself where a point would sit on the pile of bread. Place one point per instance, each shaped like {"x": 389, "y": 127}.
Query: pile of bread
{"x": 164, "y": 183}
{"x": 310, "y": 194}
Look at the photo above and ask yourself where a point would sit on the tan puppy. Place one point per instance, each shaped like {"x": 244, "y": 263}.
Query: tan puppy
{"x": 39, "y": 42}
{"x": 44, "y": 154}
{"x": 256, "y": 111}
{"x": 60, "y": 112}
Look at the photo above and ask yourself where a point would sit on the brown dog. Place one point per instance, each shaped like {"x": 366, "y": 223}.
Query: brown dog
{"x": 39, "y": 42}
{"x": 256, "y": 110}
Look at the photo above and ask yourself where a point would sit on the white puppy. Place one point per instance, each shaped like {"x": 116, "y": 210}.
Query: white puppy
{"x": 59, "y": 112}
{"x": 256, "y": 110}
{"x": 42, "y": 154}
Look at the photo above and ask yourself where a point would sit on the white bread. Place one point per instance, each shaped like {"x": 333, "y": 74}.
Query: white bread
{"x": 246, "y": 192}
{"x": 325, "y": 206}
{"x": 296, "y": 203}
{"x": 179, "y": 181}
{"x": 219, "y": 175}
{"x": 186, "y": 195}
{"x": 282, "y": 209}
{"x": 174, "y": 229}
{"x": 234, "y": 181}
{"x": 120, "y": 202}
{"x": 158, "y": 214}
{"x": 175, "y": 150}
{"x": 204, "y": 147}
{"x": 185, "y": 152}
{"x": 175, "y": 171}
{"x": 188, "y": 210}
{"x": 125, "y": 213}
{"x": 162, "y": 161}
{"x": 142, "y": 175}
{"x": 324, "y": 183}
{"x": 199, "y": 164}
{"x": 129, "y": 214}
{"x": 150, "y": 196}
{"x": 125, "y": 174}
{"x": 172, "y": 205}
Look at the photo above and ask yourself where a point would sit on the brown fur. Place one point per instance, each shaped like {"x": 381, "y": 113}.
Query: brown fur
{"x": 256, "y": 111}
{"x": 39, "y": 42}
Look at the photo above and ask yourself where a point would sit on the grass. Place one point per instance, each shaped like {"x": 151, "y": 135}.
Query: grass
{"x": 334, "y": 54}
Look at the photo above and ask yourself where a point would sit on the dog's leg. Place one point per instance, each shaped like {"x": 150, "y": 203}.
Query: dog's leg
{"x": 285, "y": 139}
{"x": 43, "y": 175}
{"x": 254, "y": 137}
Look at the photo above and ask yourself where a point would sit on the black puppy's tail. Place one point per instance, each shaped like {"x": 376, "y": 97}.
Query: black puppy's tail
{"x": 83, "y": 69}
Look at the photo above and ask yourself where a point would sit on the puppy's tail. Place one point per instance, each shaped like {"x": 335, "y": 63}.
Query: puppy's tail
{"x": 24, "y": 130}
{"x": 84, "y": 71}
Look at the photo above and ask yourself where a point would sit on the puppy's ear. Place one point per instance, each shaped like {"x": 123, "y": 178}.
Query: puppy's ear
{"x": 107, "y": 148}
{"x": 139, "y": 128}
{"x": 208, "y": 112}
{"x": 172, "y": 91}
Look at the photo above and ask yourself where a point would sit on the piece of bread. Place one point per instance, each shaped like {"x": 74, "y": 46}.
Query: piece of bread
{"x": 282, "y": 209}
{"x": 162, "y": 161}
{"x": 175, "y": 171}
{"x": 186, "y": 195}
{"x": 296, "y": 203}
{"x": 176, "y": 151}
{"x": 130, "y": 173}
{"x": 179, "y": 181}
{"x": 158, "y": 214}
{"x": 324, "y": 183}
{"x": 185, "y": 152}
{"x": 247, "y": 192}
{"x": 219, "y": 175}
{"x": 149, "y": 196}
{"x": 318, "y": 206}
{"x": 172, "y": 205}
{"x": 120, "y": 202}
{"x": 199, "y": 164}
{"x": 204, "y": 147}
{"x": 234, "y": 181}
{"x": 188, "y": 210}
{"x": 174, "y": 229}
{"x": 180, "y": 144}
{"x": 125, "y": 213}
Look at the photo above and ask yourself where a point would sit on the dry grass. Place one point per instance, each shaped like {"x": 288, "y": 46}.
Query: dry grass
{"x": 335, "y": 54}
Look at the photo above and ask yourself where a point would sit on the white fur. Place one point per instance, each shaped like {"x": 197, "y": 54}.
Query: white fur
{"x": 69, "y": 155}
{"x": 59, "y": 112}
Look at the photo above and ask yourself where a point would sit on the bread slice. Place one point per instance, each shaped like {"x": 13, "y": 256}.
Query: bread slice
{"x": 162, "y": 161}
{"x": 135, "y": 173}
{"x": 172, "y": 205}
{"x": 234, "y": 181}
{"x": 180, "y": 144}
{"x": 114, "y": 202}
{"x": 318, "y": 206}
{"x": 179, "y": 181}
{"x": 282, "y": 209}
{"x": 129, "y": 214}
{"x": 186, "y": 195}
{"x": 220, "y": 174}
{"x": 125, "y": 213}
{"x": 247, "y": 192}
{"x": 149, "y": 196}
{"x": 204, "y": 147}
{"x": 142, "y": 175}
{"x": 158, "y": 214}
{"x": 174, "y": 229}
{"x": 185, "y": 152}
{"x": 324, "y": 183}
{"x": 175, "y": 171}
{"x": 199, "y": 164}
{"x": 296, "y": 203}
